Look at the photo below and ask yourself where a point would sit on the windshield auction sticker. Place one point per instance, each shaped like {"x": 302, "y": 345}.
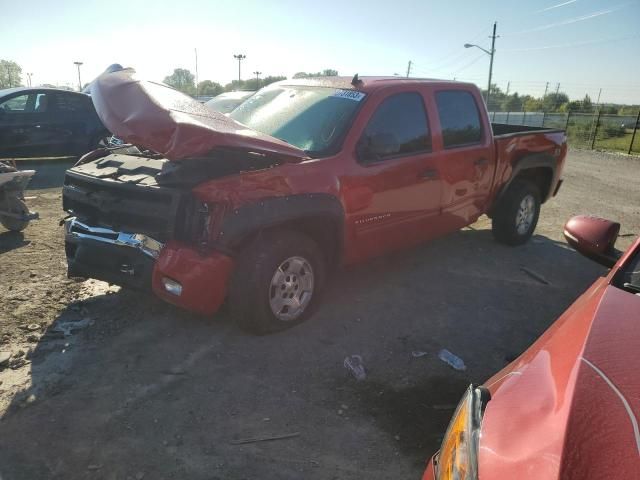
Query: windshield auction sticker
{"x": 350, "y": 94}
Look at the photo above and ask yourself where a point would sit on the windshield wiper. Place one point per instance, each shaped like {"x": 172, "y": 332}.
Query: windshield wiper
{"x": 630, "y": 286}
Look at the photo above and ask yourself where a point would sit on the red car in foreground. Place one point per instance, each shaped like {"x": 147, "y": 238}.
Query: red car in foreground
{"x": 568, "y": 407}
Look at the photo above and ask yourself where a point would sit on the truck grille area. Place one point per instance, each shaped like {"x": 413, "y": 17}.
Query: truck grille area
{"x": 159, "y": 212}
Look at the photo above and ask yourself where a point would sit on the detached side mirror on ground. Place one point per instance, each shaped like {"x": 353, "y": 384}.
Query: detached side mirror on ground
{"x": 594, "y": 238}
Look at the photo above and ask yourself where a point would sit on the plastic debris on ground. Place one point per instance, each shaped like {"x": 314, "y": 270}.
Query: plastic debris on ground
{"x": 355, "y": 365}
{"x": 452, "y": 360}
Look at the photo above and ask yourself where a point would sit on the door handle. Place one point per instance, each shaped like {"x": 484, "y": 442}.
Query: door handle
{"x": 481, "y": 162}
{"x": 429, "y": 174}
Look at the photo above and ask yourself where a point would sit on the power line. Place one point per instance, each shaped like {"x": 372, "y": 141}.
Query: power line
{"x": 475, "y": 60}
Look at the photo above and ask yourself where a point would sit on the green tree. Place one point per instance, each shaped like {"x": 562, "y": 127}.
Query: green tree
{"x": 10, "y": 74}
{"x": 207, "y": 87}
{"x": 512, "y": 103}
{"x": 533, "y": 105}
{"x": 553, "y": 101}
{"x": 183, "y": 80}
{"x": 327, "y": 72}
{"x": 271, "y": 79}
{"x": 252, "y": 83}
{"x": 587, "y": 105}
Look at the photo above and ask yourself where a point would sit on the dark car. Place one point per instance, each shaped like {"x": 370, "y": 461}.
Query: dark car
{"x": 48, "y": 122}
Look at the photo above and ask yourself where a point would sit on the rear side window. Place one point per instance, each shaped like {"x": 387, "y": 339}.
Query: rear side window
{"x": 398, "y": 127}
{"x": 459, "y": 118}
{"x": 70, "y": 103}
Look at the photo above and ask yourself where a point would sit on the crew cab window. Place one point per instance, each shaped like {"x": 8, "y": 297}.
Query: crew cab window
{"x": 459, "y": 118}
{"x": 70, "y": 103}
{"x": 398, "y": 127}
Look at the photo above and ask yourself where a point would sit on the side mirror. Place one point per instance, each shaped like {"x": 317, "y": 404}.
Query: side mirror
{"x": 594, "y": 238}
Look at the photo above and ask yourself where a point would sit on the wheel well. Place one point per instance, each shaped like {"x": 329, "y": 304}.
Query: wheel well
{"x": 324, "y": 230}
{"x": 541, "y": 177}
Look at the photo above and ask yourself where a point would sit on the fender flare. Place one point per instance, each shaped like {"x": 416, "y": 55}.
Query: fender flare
{"x": 528, "y": 162}
{"x": 242, "y": 222}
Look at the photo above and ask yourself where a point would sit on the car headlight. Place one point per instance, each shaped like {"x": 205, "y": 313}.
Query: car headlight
{"x": 458, "y": 456}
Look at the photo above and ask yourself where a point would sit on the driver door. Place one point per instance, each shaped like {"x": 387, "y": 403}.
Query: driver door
{"x": 396, "y": 192}
{"x": 25, "y": 125}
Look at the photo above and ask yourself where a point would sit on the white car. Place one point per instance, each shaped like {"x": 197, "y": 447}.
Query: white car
{"x": 228, "y": 101}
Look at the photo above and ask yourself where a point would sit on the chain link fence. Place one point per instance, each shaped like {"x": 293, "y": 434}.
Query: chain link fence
{"x": 588, "y": 130}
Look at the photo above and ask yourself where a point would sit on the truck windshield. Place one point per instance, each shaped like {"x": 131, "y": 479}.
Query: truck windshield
{"x": 313, "y": 119}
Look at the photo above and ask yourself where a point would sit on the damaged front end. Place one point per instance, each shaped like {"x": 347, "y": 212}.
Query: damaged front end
{"x": 124, "y": 207}
{"x": 134, "y": 221}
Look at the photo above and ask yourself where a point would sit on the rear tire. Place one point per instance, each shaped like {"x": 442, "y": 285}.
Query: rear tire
{"x": 277, "y": 282}
{"x": 16, "y": 206}
{"x": 516, "y": 216}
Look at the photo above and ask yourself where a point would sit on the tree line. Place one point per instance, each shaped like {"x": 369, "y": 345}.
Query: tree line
{"x": 553, "y": 102}
{"x": 183, "y": 80}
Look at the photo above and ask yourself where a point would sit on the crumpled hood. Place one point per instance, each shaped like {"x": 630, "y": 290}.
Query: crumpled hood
{"x": 157, "y": 117}
{"x": 568, "y": 407}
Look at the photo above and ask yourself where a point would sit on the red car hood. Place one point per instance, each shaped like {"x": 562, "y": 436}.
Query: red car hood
{"x": 159, "y": 118}
{"x": 568, "y": 408}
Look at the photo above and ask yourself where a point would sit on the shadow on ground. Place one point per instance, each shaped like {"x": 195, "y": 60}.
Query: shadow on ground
{"x": 149, "y": 391}
{"x": 12, "y": 240}
{"x": 49, "y": 172}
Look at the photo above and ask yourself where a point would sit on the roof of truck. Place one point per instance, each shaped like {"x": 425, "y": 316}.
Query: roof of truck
{"x": 367, "y": 84}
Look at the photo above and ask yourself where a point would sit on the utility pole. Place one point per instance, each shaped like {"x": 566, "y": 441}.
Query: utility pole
{"x": 239, "y": 57}
{"x": 77, "y": 64}
{"x": 29, "y": 78}
{"x": 409, "y": 68}
{"x": 546, "y": 89}
{"x": 8, "y": 76}
{"x": 257, "y": 74}
{"x": 196, "y": 50}
{"x": 491, "y": 54}
{"x": 557, "y": 90}
{"x": 508, "y": 85}
{"x": 493, "y": 51}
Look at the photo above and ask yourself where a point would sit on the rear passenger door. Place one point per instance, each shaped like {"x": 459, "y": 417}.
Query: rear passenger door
{"x": 72, "y": 122}
{"x": 467, "y": 160}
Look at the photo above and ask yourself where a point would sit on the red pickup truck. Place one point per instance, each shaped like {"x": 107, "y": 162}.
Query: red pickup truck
{"x": 258, "y": 207}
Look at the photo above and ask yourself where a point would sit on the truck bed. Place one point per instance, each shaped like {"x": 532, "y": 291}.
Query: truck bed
{"x": 503, "y": 129}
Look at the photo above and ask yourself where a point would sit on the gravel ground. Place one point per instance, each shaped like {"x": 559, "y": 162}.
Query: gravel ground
{"x": 114, "y": 385}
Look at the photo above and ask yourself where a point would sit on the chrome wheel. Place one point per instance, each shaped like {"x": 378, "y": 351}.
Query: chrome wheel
{"x": 291, "y": 288}
{"x": 526, "y": 214}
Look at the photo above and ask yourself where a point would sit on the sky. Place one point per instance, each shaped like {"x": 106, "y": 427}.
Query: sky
{"x": 584, "y": 45}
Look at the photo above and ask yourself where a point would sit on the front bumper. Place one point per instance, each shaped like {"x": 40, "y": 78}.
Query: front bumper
{"x": 140, "y": 262}
{"x": 203, "y": 276}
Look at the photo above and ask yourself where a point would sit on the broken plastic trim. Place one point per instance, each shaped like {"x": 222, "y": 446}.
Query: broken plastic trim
{"x": 145, "y": 244}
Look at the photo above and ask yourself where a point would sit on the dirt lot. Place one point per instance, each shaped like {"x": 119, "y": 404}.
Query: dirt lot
{"x": 114, "y": 385}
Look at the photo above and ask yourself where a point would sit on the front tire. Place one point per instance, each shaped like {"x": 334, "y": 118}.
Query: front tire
{"x": 277, "y": 281}
{"x": 516, "y": 215}
{"x": 15, "y": 206}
